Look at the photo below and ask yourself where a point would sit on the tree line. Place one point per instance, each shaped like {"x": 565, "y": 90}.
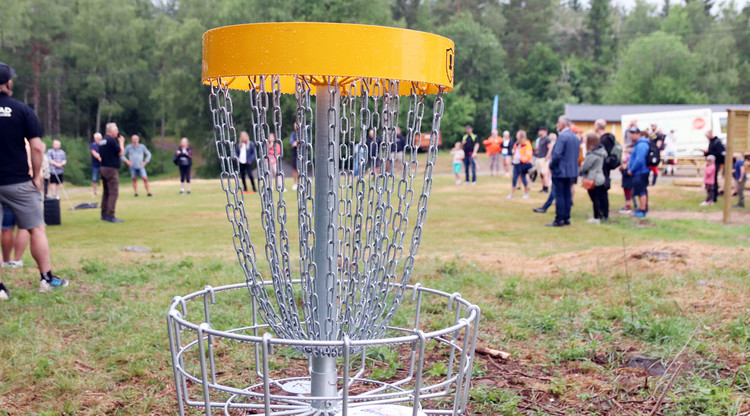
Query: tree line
{"x": 82, "y": 63}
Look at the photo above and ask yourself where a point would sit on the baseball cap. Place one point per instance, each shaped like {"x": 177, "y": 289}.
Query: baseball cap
{"x": 634, "y": 129}
{"x": 6, "y": 73}
{"x": 542, "y": 128}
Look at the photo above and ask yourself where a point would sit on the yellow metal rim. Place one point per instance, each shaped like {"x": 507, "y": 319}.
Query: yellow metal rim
{"x": 235, "y": 55}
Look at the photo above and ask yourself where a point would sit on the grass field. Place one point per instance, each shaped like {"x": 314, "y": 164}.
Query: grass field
{"x": 572, "y": 306}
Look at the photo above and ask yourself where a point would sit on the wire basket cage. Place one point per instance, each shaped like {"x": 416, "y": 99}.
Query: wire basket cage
{"x": 338, "y": 252}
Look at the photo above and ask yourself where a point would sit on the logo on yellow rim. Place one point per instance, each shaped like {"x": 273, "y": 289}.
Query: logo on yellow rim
{"x": 449, "y": 62}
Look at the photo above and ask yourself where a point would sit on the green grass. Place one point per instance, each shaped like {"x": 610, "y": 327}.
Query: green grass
{"x": 100, "y": 346}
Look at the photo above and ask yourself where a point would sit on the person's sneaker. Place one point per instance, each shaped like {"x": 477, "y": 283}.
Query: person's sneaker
{"x": 188, "y": 192}
{"x": 182, "y": 191}
{"x": 474, "y": 183}
{"x": 150, "y": 195}
{"x": 7, "y": 264}
{"x": 115, "y": 220}
{"x": 459, "y": 182}
{"x": 639, "y": 214}
{"x": 626, "y": 210}
{"x": 294, "y": 187}
{"x": 54, "y": 283}
{"x": 539, "y": 210}
{"x": 525, "y": 196}
{"x": 594, "y": 221}
{"x": 705, "y": 203}
{"x": 14, "y": 263}
{"x": 4, "y": 294}
{"x": 136, "y": 194}
{"x": 738, "y": 206}
{"x": 510, "y": 196}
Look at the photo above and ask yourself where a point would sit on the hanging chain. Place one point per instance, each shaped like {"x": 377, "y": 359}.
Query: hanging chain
{"x": 370, "y": 193}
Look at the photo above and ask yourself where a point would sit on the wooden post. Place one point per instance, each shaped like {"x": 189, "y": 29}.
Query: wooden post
{"x": 738, "y": 140}
{"x": 728, "y": 180}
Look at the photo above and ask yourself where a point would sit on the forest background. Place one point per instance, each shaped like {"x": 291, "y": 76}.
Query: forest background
{"x": 82, "y": 63}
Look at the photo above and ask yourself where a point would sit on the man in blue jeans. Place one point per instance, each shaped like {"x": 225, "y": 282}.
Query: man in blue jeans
{"x": 471, "y": 146}
{"x": 638, "y": 168}
{"x": 564, "y": 167}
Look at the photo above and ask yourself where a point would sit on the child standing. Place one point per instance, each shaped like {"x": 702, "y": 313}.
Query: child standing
{"x": 740, "y": 177}
{"x": 458, "y": 160}
{"x": 709, "y": 180}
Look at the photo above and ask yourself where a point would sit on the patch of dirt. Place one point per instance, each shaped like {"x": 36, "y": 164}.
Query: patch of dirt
{"x": 677, "y": 257}
{"x": 738, "y": 216}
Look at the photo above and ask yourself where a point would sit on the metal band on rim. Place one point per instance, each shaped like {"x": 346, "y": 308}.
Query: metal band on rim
{"x": 323, "y": 50}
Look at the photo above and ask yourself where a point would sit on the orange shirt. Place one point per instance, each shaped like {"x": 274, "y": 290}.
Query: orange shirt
{"x": 492, "y": 145}
{"x": 527, "y": 151}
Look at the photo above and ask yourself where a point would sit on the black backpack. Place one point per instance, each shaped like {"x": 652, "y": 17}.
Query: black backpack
{"x": 654, "y": 155}
{"x": 614, "y": 152}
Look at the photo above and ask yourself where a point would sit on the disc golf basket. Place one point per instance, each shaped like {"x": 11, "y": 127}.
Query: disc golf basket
{"x": 331, "y": 326}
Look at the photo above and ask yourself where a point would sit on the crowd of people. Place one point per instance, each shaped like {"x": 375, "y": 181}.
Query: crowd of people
{"x": 588, "y": 159}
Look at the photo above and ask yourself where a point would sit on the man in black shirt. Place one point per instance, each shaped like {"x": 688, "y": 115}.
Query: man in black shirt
{"x": 715, "y": 148}
{"x": 21, "y": 192}
{"x": 471, "y": 146}
{"x": 111, "y": 149}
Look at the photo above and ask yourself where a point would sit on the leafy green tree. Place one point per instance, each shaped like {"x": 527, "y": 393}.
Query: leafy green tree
{"x": 656, "y": 69}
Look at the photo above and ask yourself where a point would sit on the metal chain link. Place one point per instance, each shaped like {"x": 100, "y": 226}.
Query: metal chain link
{"x": 370, "y": 193}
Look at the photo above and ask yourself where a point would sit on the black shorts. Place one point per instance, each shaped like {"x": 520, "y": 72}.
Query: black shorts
{"x": 294, "y": 157}
{"x": 640, "y": 184}
{"x": 56, "y": 178}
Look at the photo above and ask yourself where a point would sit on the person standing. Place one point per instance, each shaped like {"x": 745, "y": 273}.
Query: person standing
{"x": 96, "y": 160}
{"x": 57, "y": 160}
{"x": 458, "y": 160}
{"x": 670, "y": 153}
{"x": 493, "y": 148}
{"x": 245, "y": 151}
{"x": 293, "y": 143}
{"x": 522, "y": 154}
{"x": 592, "y": 169}
{"x": 137, "y": 156}
{"x": 471, "y": 146}
{"x": 740, "y": 178}
{"x": 12, "y": 244}
{"x": 111, "y": 149}
{"x": 274, "y": 158}
{"x": 612, "y": 162}
{"x": 715, "y": 148}
{"x": 183, "y": 158}
{"x": 564, "y": 167}
{"x": 19, "y": 190}
{"x": 542, "y": 154}
{"x": 506, "y": 150}
{"x": 638, "y": 169}
{"x": 709, "y": 180}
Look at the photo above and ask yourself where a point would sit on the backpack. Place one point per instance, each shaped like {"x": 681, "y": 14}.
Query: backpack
{"x": 654, "y": 156}
{"x": 614, "y": 152}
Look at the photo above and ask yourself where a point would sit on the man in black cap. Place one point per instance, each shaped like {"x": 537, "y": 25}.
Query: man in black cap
{"x": 19, "y": 191}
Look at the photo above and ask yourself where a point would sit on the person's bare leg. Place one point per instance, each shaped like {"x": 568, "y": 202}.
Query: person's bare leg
{"x": 22, "y": 241}
{"x": 135, "y": 185}
{"x": 7, "y": 244}
{"x": 93, "y": 185}
{"x": 145, "y": 185}
{"x": 40, "y": 249}
{"x": 52, "y": 189}
{"x": 643, "y": 202}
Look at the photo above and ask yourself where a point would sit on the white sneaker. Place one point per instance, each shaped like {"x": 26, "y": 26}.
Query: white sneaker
{"x": 18, "y": 263}
{"x": 525, "y": 196}
{"x": 8, "y": 264}
{"x": 594, "y": 220}
{"x": 3, "y": 295}
{"x": 705, "y": 203}
{"x": 459, "y": 182}
{"x": 510, "y": 196}
{"x": 473, "y": 183}
{"x": 294, "y": 187}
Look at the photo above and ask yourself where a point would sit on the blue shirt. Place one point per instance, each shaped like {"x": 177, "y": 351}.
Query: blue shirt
{"x": 94, "y": 161}
{"x": 737, "y": 170}
{"x": 637, "y": 164}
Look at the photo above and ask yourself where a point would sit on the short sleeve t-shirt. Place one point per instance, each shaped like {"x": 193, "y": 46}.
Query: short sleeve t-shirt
{"x": 109, "y": 150}
{"x": 542, "y": 147}
{"x": 737, "y": 169}
{"x": 94, "y": 147}
{"x": 17, "y": 122}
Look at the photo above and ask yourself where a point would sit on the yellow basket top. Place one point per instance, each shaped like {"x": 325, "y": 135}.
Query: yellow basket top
{"x": 320, "y": 51}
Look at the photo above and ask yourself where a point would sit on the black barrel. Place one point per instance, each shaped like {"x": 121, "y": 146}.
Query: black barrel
{"x": 52, "y": 211}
